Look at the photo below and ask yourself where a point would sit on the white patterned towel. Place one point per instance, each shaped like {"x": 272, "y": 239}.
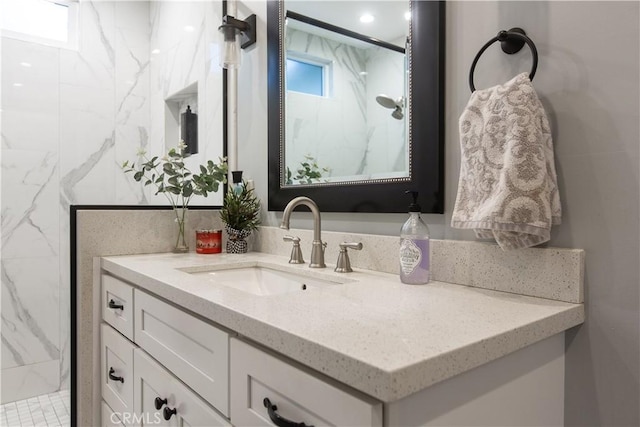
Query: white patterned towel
{"x": 507, "y": 189}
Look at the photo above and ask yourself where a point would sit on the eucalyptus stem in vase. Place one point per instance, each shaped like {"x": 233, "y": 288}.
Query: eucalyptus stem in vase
{"x": 177, "y": 183}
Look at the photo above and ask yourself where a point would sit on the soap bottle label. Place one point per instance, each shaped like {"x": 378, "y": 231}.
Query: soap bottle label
{"x": 410, "y": 256}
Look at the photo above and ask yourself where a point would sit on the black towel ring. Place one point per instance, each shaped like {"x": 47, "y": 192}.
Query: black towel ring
{"x": 511, "y": 42}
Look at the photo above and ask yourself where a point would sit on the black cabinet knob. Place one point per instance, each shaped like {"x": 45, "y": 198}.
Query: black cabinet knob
{"x": 113, "y": 377}
{"x": 168, "y": 412}
{"x": 277, "y": 419}
{"x": 115, "y": 306}
{"x": 159, "y": 403}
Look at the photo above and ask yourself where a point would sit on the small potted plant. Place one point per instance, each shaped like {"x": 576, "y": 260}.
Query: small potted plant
{"x": 241, "y": 215}
{"x": 172, "y": 178}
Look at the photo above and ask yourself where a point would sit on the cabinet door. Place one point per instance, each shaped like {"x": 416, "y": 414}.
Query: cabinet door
{"x": 117, "y": 305}
{"x": 193, "y": 350}
{"x": 116, "y": 366}
{"x": 109, "y": 417}
{"x": 299, "y": 396}
{"x": 182, "y": 408}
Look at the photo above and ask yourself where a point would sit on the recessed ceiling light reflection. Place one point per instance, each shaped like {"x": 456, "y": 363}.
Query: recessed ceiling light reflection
{"x": 407, "y": 15}
{"x": 366, "y": 18}
{"x": 17, "y": 84}
{"x": 189, "y": 29}
{"x": 155, "y": 51}
{"x": 363, "y": 73}
{"x": 25, "y": 64}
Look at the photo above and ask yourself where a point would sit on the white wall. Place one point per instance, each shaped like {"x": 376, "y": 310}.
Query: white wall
{"x": 588, "y": 79}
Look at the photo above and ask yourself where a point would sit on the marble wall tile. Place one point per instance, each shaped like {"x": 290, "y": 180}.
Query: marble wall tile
{"x": 29, "y": 311}
{"x": 184, "y": 35}
{"x": 93, "y": 64}
{"x": 67, "y": 129}
{"x": 323, "y": 126}
{"x": 386, "y": 148}
{"x": 27, "y": 381}
{"x": 29, "y": 198}
{"x": 132, "y": 73}
{"x": 87, "y": 134}
{"x": 29, "y": 96}
{"x": 64, "y": 314}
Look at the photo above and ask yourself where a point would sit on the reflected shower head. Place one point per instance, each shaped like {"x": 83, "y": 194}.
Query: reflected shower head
{"x": 397, "y": 114}
{"x": 386, "y": 101}
{"x": 395, "y": 104}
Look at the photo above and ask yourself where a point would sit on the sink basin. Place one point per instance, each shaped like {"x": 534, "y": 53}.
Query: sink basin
{"x": 260, "y": 280}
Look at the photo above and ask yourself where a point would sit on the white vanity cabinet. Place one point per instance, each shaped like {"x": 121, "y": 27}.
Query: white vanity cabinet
{"x": 156, "y": 388}
{"x": 164, "y": 365}
{"x": 159, "y": 365}
{"x": 195, "y": 351}
{"x": 293, "y": 394}
{"x": 180, "y": 370}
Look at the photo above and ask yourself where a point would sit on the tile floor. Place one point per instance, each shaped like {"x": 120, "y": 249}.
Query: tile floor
{"x": 47, "y": 410}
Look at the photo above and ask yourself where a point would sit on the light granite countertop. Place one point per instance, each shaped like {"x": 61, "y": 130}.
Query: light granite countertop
{"x": 373, "y": 333}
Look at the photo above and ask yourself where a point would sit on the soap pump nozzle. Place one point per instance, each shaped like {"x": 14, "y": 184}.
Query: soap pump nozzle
{"x": 414, "y": 206}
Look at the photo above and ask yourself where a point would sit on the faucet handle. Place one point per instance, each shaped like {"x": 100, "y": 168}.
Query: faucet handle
{"x": 296, "y": 252}
{"x": 344, "y": 265}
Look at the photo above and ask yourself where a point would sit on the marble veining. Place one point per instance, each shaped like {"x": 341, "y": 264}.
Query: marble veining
{"x": 97, "y": 22}
{"x": 346, "y": 130}
{"x": 27, "y": 181}
{"x": 65, "y": 132}
{"x": 71, "y": 179}
{"x": 27, "y": 332}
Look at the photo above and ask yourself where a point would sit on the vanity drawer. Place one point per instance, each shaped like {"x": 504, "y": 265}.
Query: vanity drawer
{"x": 299, "y": 396}
{"x": 195, "y": 351}
{"x": 116, "y": 370}
{"x": 153, "y": 384}
{"x": 109, "y": 417}
{"x": 117, "y": 304}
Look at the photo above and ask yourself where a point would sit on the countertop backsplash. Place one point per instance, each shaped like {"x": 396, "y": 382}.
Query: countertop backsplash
{"x": 552, "y": 273}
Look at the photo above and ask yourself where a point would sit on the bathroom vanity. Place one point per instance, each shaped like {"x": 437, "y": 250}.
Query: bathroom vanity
{"x": 212, "y": 340}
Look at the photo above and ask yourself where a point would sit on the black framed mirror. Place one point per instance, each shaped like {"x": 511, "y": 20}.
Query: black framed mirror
{"x": 423, "y": 117}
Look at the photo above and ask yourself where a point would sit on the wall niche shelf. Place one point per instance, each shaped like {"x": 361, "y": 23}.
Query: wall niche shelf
{"x": 175, "y": 107}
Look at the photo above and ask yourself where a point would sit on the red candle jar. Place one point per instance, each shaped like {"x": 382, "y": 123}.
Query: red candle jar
{"x": 208, "y": 241}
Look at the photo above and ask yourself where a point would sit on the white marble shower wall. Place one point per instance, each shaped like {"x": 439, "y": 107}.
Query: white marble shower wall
{"x": 347, "y": 130}
{"x": 386, "y": 150}
{"x": 331, "y": 129}
{"x": 64, "y": 129}
{"x": 184, "y": 52}
{"x": 65, "y": 133}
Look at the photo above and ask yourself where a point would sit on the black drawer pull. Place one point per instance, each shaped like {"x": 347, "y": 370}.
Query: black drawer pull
{"x": 159, "y": 403}
{"x": 113, "y": 305}
{"x": 113, "y": 377}
{"x": 168, "y": 413}
{"x": 277, "y": 419}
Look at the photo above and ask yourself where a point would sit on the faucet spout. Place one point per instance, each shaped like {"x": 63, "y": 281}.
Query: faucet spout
{"x": 317, "y": 248}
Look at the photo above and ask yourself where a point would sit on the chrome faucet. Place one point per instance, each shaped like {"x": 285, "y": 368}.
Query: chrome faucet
{"x": 317, "y": 247}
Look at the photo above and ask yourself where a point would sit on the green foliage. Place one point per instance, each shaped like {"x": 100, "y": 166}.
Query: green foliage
{"x": 241, "y": 210}
{"x": 307, "y": 173}
{"x": 171, "y": 177}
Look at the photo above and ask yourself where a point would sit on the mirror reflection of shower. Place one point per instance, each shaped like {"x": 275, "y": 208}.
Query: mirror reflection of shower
{"x": 396, "y": 105}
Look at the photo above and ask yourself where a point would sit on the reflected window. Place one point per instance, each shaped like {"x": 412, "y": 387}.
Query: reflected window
{"x": 308, "y": 75}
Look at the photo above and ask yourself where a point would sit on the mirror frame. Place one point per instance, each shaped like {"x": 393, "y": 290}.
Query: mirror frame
{"x": 426, "y": 125}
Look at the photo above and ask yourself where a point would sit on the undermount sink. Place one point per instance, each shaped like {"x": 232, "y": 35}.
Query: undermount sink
{"x": 262, "y": 280}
